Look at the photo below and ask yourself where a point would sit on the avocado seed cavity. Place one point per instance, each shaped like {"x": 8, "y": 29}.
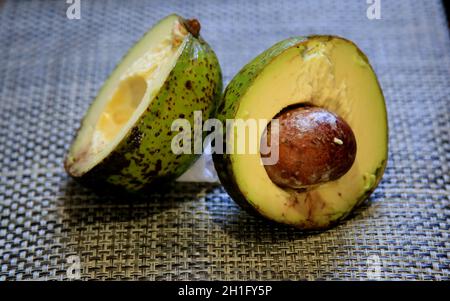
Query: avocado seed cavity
{"x": 315, "y": 146}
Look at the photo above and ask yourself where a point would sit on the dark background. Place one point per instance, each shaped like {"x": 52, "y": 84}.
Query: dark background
{"x": 447, "y": 9}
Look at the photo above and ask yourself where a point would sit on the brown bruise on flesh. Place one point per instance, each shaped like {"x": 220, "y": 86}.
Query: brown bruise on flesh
{"x": 315, "y": 146}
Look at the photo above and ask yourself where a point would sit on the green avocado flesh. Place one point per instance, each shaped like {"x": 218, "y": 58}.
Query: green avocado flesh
{"x": 323, "y": 71}
{"x": 125, "y": 137}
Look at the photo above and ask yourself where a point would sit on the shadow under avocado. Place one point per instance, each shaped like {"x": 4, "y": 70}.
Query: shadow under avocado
{"x": 246, "y": 227}
{"x": 87, "y": 206}
{"x": 84, "y": 206}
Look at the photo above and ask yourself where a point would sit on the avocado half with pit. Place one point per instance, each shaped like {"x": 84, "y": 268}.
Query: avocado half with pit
{"x": 125, "y": 137}
{"x": 333, "y": 132}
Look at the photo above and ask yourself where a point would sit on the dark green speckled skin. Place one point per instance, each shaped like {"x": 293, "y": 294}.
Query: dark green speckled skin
{"x": 144, "y": 158}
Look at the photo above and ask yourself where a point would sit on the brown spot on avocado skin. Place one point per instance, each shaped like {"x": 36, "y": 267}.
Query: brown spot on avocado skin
{"x": 157, "y": 168}
{"x": 135, "y": 137}
{"x": 188, "y": 84}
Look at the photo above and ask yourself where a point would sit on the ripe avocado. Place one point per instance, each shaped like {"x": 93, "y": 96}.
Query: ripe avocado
{"x": 321, "y": 71}
{"x": 125, "y": 137}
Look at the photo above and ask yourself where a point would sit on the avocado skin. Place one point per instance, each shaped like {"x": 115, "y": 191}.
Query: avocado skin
{"x": 144, "y": 159}
{"x": 228, "y": 108}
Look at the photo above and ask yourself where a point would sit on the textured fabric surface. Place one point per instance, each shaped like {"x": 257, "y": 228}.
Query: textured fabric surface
{"x": 51, "y": 68}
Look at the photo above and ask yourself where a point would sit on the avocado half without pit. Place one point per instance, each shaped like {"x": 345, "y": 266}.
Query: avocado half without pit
{"x": 125, "y": 137}
{"x": 332, "y": 137}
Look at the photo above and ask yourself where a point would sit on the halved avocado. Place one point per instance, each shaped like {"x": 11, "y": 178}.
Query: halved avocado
{"x": 125, "y": 137}
{"x": 322, "y": 71}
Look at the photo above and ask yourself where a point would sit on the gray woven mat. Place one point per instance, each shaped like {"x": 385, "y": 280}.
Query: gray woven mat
{"x": 51, "y": 68}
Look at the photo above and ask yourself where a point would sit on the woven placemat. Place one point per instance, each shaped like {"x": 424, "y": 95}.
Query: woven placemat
{"x": 51, "y": 68}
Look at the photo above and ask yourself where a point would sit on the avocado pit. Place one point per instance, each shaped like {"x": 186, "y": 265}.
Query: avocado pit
{"x": 315, "y": 146}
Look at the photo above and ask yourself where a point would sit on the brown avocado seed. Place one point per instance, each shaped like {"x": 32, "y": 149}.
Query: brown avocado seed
{"x": 315, "y": 146}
